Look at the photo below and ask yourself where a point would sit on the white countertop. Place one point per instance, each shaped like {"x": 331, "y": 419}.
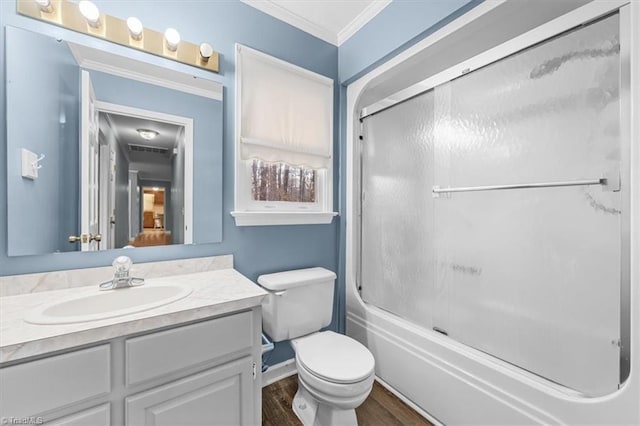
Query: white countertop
{"x": 214, "y": 293}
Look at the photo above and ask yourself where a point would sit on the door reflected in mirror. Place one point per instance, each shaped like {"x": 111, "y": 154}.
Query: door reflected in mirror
{"x": 112, "y": 129}
{"x": 141, "y": 184}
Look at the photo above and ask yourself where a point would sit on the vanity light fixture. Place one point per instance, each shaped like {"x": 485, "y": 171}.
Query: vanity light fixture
{"x": 84, "y": 17}
{"x": 90, "y": 12}
{"x": 135, "y": 27}
{"x": 205, "y": 51}
{"x": 172, "y": 39}
{"x": 147, "y": 134}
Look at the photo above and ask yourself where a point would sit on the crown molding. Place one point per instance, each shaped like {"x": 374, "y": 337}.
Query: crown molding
{"x": 293, "y": 19}
{"x": 361, "y": 20}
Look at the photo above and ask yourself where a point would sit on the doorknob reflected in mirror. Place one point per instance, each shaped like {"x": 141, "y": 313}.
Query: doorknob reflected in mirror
{"x": 85, "y": 238}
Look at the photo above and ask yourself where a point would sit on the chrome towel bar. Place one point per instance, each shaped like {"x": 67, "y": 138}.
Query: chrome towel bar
{"x": 601, "y": 181}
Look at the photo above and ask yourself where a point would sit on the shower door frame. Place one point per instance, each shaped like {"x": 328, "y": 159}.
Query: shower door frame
{"x": 497, "y": 54}
{"x": 355, "y": 112}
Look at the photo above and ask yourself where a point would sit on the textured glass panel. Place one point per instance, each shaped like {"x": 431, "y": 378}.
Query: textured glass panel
{"x": 532, "y": 275}
{"x": 397, "y": 210}
{"x": 549, "y": 113}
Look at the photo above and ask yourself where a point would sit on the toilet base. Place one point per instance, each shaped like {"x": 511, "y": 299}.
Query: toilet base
{"x": 312, "y": 413}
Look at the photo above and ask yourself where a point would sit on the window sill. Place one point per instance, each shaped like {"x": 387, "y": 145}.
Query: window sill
{"x": 282, "y": 218}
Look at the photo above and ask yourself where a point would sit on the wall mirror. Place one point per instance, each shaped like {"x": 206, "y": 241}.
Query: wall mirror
{"x": 106, "y": 152}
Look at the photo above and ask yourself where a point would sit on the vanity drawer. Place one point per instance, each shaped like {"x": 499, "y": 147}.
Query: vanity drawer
{"x": 160, "y": 354}
{"x": 36, "y": 387}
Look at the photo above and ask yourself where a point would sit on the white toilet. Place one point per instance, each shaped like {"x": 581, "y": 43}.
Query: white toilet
{"x": 335, "y": 372}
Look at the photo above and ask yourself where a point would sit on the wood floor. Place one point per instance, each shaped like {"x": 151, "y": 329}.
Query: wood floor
{"x": 382, "y": 408}
{"x": 151, "y": 237}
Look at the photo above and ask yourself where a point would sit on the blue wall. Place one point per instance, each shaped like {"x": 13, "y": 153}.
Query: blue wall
{"x": 257, "y": 250}
{"x": 46, "y": 127}
{"x": 398, "y": 26}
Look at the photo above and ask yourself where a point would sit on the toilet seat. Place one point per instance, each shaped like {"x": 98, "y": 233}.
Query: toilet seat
{"x": 326, "y": 390}
{"x": 335, "y": 358}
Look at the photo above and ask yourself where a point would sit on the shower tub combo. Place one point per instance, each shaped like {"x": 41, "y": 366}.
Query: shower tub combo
{"x": 492, "y": 207}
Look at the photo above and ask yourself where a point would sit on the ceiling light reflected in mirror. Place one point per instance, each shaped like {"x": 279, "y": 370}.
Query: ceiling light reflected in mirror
{"x": 147, "y": 134}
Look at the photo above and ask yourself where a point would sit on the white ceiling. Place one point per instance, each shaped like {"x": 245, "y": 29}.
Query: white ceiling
{"x": 333, "y": 21}
{"x": 150, "y": 164}
{"x": 126, "y": 130}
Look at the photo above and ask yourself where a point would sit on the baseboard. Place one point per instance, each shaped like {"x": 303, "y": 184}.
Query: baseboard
{"x": 407, "y": 401}
{"x": 279, "y": 371}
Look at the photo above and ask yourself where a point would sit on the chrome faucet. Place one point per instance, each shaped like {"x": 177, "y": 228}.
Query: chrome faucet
{"x": 121, "y": 277}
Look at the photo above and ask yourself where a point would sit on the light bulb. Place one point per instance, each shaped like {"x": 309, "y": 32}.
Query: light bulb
{"x": 172, "y": 37}
{"x": 45, "y": 5}
{"x": 135, "y": 27}
{"x": 206, "y": 51}
{"x": 90, "y": 12}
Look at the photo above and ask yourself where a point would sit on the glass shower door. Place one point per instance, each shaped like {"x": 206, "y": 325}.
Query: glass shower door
{"x": 531, "y": 276}
{"x": 397, "y": 258}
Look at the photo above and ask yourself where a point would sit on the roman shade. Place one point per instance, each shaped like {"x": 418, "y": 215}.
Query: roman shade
{"x": 285, "y": 112}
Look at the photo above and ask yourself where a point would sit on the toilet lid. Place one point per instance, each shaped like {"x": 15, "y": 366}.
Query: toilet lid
{"x": 335, "y": 357}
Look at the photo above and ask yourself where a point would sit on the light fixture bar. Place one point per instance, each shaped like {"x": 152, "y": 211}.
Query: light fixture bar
{"x": 66, "y": 14}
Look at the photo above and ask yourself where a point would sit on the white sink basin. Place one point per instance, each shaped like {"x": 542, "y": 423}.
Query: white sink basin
{"x": 107, "y": 304}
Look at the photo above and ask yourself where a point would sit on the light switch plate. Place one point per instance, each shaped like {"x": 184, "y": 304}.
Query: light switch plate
{"x": 29, "y": 164}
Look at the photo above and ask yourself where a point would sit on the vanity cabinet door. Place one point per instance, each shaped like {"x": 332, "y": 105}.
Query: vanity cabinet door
{"x": 96, "y": 416}
{"x": 51, "y": 384}
{"x": 219, "y": 396}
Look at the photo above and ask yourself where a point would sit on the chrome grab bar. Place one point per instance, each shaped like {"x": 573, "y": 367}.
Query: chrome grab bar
{"x": 601, "y": 181}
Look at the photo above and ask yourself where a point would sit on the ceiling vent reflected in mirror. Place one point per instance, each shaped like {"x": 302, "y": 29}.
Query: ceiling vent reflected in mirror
{"x": 147, "y": 148}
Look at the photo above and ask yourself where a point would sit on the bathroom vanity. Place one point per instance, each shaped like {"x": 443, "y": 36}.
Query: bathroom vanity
{"x": 193, "y": 361}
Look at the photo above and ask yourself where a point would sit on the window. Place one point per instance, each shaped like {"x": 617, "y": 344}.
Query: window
{"x": 282, "y": 182}
{"x": 284, "y": 142}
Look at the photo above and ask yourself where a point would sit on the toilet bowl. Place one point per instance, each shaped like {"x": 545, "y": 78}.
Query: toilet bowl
{"x": 335, "y": 372}
{"x": 335, "y": 375}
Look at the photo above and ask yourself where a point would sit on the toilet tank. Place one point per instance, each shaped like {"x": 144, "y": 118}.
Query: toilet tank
{"x": 299, "y": 302}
